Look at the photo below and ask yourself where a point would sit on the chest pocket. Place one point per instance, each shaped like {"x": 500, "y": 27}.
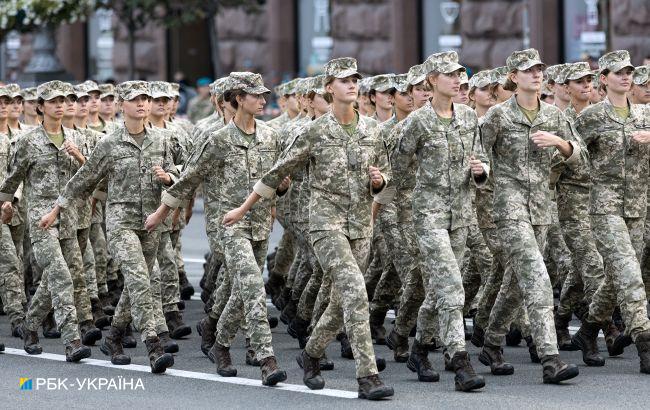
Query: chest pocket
{"x": 126, "y": 181}
{"x": 456, "y": 146}
{"x": 366, "y": 155}
{"x": 266, "y": 160}
{"x": 46, "y": 173}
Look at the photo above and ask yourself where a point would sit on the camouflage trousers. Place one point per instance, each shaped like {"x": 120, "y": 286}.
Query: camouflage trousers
{"x": 307, "y": 296}
{"x": 587, "y": 273}
{"x": 87, "y": 265}
{"x": 135, "y": 253}
{"x": 178, "y": 252}
{"x": 245, "y": 259}
{"x": 56, "y": 289}
{"x": 409, "y": 264}
{"x": 476, "y": 265}
{"x": 526, "y": 283}
{"x": 12, "y": 285}
{"x": 645, "y": 259}
{"x": 100, "y": 255}
{"x": 388, "y": 287}
{"x": 305, "y": 265}
{"x": 442, "y": 252}
{"x": 285, "y": 254}
{"x": 557, "y": 256}
{"x": 169, "y": 285}
{"x": 378, "y": 254}
{"x": 343, "y": 260}
{"x": 620, "y": 242}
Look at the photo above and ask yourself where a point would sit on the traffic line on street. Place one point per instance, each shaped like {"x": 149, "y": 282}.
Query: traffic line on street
{"x": 193, "y": 260}
{"x": 241, "y": 381}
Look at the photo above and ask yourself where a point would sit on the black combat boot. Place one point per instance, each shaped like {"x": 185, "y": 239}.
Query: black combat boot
{"x": 206, "y": 328}
{"x": 372, "y": 388}
{"x": 532, "y": 349}
{"x": 50, "y": 330}
{"x": 478, "y": 336}
{"x": 112, "y": 346}
{"x": 298, "y": 327}
{"x": 466, "y": 378}
{"x": 556, "y": 371}
{"x": 89, "y": 333}
{"x": 177, "y": 329}
{"x": 75, "y": 351}
{"x": 169, "y": 346}
{"x": 128, "y": 340}
{"x": 221, "y": 355}
{"x": 377, "y": 330}
{"x": 30, "y": 339}
{"x": 419, "y": 363}
{"x": 399, "y": 345}
{"x": 493, "y": 356}
{"x": 615, "y": 341}
{"x": 346, "y": 348}
{"x": 17, "y": 328}
{"x": 271, "y": 373}
{"x": 99, "y": 317}
{"x": 158, "y": 360}
{"x": 311, "y": 368}
{"x": 187, "y": 290}
{"x": 586, "y": 338}
{"x": 513, "y": 337}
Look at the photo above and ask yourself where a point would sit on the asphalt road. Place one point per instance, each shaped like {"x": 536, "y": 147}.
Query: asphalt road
{"x": 193, "y": 383}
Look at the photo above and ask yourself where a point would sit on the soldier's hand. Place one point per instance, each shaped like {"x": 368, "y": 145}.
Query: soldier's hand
{"x": 93, "y": 206}
{"x": 284, "y": 185}
{"x": 376, "y": 179}
{"x": 48, "y": 219}
{"x": 176, "y": 218}
{"x": 72, "y": 150}
{"x": 233, "y": 216}
{"x": 545, "y": 139}
{"x": 188, "y": 214}
{"x": 153, "y": 221}
{"x": 642, "y": 137}
{"x": 7, "y": 212}
{"x": 162, "y": 175}
{"x": 476, "y": 166}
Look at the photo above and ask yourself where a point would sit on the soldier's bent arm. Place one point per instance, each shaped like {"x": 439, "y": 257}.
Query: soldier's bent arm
{"x": 18, "y": 170}
{"x": 82, "y": 184}
{"x": 408, "y": 142}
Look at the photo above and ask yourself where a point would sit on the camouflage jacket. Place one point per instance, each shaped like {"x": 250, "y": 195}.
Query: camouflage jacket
{"x": 341, "y": 194}
{"x": 204, "y": 121}
{"x": 229, "y": 167}
{"x": 295, "y": 203}
{"x": 388, "y": 213}
{"x": 132, "y": 190}
{"x": 278, "y": 122}
{"x": 44, "y": 170}
{"x": 521, "y": 169}
{"x": 442, "y": 189}
{"x": 86, "y": 140}
{"x": 619, "y": 164}
{"x": 199, "y": 108}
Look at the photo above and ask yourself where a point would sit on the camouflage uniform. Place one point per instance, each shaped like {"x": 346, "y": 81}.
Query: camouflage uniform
{"x": 132, "y": 193}
{"x": 441, "y": 206}
{"x": 198, "y": 108}
{"x": 618, "y": 203}
{"x": 339, "y": 220}
{"x": 522, "y": 205}
{"x": 233, "y": 165}
{"x": 45, "y": 169}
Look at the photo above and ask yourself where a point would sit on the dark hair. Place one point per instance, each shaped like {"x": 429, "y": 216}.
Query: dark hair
{"x": 327, "y": 97}
{"x": 40, "y": 101}
{"x": 425, "y": 83}
{"x": 371, "y": 94}
{"x": 231, "y": 97}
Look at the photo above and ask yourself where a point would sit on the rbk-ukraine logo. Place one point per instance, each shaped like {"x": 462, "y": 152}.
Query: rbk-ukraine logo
{"x": 25, "y": 383}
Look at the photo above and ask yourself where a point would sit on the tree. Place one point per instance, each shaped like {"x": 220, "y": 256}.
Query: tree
{"x": 136, "y": 14}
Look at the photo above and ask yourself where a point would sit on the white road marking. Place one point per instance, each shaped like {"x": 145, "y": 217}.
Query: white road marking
{"x": 344, "y": 394}
{"x": 193, "y": 260}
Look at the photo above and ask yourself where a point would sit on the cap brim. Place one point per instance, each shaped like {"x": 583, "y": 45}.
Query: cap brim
{"x": 453, "y": 67}
{"x": 619, "y": 66}
{"x": 529, "y": 64}
{"x": 483, "y": 83}
{"x": 101, "y": 96}
{"x": 417, "y": 80}
{"x": 257, "y": 90}
{"x": 55, "y": 95}
{"x": 159, "y": 95}
{"x": 384, "y": 89}
{"x": 579, "y": 75}
{"x": 348, "y": 73}
{"x": 133, "y": 95}
{"x": 82, "y": 94}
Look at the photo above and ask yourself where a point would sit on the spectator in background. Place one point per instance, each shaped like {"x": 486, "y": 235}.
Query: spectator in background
{"x": 186, "y": 92}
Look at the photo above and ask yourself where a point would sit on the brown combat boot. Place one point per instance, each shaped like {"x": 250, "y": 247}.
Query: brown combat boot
{"x": 466, "y": 378}
{"x": 112, "y": 346}
{"x": 89, "y": 333}
{"x": 311, "y": 368}
{"x": 586, "y": 338}
{"x": 177, "y": 329}
{"x": 372, "y": 388}
{"x": 75, "y": 351}
{"x": 169, "y": 346}
{"x": 419, "y": 363}
{"x": 50, "y": 330}
{"x": 642, "y": 343}
{"x": 615, "y": 341}
{"x": 30, "y": 339}
{"x": 399, "y": 345}
{"x": 206, "y": 328}
{"x": 563, "y": 336}
{"x": 158, "y": 360}
{"x": 556, "y": 371}
{"x": 271, "y": 373}
{"x": 99, "y": 317}
{"x": 493, "y": 356}
{"x": 221, "y": 356}
{"x": 377, "y": 330}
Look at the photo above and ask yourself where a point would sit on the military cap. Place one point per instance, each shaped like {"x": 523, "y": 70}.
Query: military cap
{"x": 290, "y": 86}
{"x": 555, "y": 72}
{"x": 219, "y": 86}
{"x": 250, "y": 83}
{"x": 641, "y": 75}
{"x": 523, "y": 59}
{"x": 106, "y": 90}
{"x": 160, "y": 89}
{"x": 79, "y": 91}
{"x": 89, "y": 86}
{"x": 342, "y": 68}
{"x": 615, "y": 61}
{"x": 500, "y": 74}
{"x": 481, "y": 79}
{"x": 318, "y": 84}
{"x": 546, "y": 89}
{"x": 128, "y": 90}
{"x": 15, "y": 90}
{"x": 400, "y": 82}
{"x": 364, "y": 85}
{"x": 176, "y": 87}
{"x": 29, "y": 94}
{"x": 416, "y": 74}
{"x": 303, "y": 85}
{"x": 576, "y": 71}
{"x": 382, "y": 83}
{"x": 596, "y": 81}
{"x": 279, "y": 89}
{"x": 53, "y": 89}
{"x": 445, "y": 62}
{"x": 5, "y": 92}
{"x": 463, "y": 78}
